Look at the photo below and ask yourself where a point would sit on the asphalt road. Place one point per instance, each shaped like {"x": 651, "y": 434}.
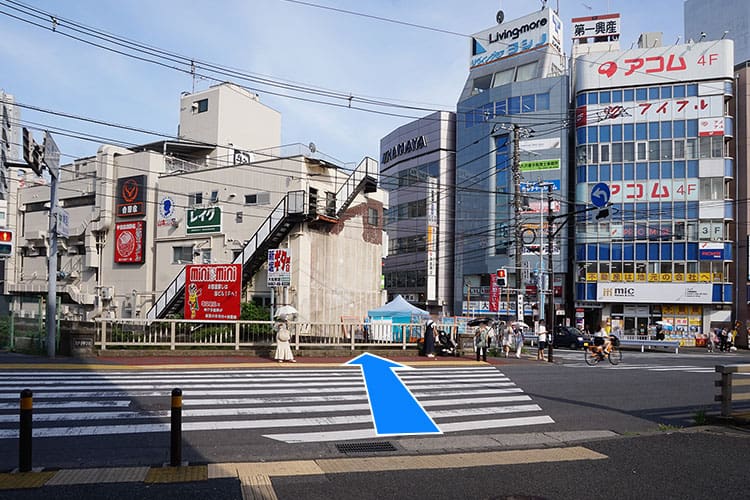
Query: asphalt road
{"x": 649, "y": 404}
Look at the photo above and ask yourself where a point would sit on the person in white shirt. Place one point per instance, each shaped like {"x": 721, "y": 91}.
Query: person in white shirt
{"x": 601, "y": 339}
{"x": 542, "y": 337}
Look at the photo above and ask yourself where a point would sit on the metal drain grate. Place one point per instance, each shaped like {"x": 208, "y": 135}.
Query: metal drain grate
{"x": 368, "y": 447}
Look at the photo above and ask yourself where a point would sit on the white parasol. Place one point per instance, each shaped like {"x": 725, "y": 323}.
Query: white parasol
{"x": 284, "y": 311}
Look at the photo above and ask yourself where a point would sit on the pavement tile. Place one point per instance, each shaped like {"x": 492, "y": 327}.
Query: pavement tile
{"x": 23, "y": 480}
{"x": 177, "y": 474}
{"x": 257, "y": 487}
{"x": 99, "y": 475}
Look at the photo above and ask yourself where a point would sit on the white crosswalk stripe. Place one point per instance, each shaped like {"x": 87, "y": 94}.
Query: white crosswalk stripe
{"x": 306, "y": 405}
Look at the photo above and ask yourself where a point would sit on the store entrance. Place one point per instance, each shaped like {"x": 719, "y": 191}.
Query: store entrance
{"x": 636, "y": 325}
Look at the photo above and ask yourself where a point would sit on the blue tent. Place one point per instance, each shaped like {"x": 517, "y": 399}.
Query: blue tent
{"x": 398, "y": 308}
{"x": 398, "y": 312}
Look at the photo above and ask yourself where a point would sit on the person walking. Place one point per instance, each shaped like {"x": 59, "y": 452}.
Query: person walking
{"x": 283, "y": 338}
{"x": 506, "y": 337}
{"x": 518, "y": 341}
{"x": 542, "y": 340}
{"x": 480, "y": 341}
{"x": 723, "y": 339}
{"x": 429, "y": 338}
{"x": 711, "y": 341}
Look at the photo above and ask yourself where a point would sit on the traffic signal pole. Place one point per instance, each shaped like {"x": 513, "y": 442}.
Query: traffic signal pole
{"x": 51, "y": 316}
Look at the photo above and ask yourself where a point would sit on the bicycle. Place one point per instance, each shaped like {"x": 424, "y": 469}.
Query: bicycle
{"x": 592, "y": 355}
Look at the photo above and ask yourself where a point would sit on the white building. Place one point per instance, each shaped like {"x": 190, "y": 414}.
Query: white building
{"x": 225, "y": 191}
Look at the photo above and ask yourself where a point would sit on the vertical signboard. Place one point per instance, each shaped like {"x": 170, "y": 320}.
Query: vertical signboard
{"x": 212, "y": 291}
{"x": 130, "y": 240}
{"x": 432, "y": 225}
{"x": 131, "y": 196}
{"x": 279, "y": 267}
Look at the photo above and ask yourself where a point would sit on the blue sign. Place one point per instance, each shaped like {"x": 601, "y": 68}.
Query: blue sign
{"x": 535, "y": 187}
{"x": 600, "y": 195}
{"x": 394, "y": 409}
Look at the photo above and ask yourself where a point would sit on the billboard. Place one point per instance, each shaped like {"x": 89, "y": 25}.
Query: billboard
{"x": 537, "y": 31}
{"x": 602, "y": 26}
{"x": 279, "y": 267}
{"x": 654, "y": 293}
{"x": 212, "y": 291}
{"x": 131, "y": 196}
{"x": 130, "y": 241}
{"x": 656, "y": 65}
{"x": 204, "y": 220}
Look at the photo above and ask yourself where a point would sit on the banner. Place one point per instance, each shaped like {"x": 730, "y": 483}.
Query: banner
{"x": 212, "y": 291}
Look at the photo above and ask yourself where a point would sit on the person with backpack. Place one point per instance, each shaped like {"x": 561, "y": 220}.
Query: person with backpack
{"x": 480, "y": 341}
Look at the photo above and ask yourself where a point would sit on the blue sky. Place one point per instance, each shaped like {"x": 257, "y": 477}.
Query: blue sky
{"x": 277, "y": 39}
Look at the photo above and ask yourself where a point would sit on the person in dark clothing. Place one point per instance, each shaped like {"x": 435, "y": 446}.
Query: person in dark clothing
{"x": 429, "y": 339}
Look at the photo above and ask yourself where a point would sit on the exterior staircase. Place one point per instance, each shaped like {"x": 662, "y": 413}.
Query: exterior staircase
{"x": 291, "y": 210}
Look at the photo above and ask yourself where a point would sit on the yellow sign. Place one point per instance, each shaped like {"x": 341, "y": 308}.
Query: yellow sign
{"x": 679, "y": 276}
{"x": 604, "y": 277}
{"x": 640, "y": 276}
{"x": 628, "y": 276}
{"x": 692, "y": 278}
{"x": 665, "y": 277}
{"x": 616, "y": 277}
{"x": 653, "y": 277}
{"x": 591, "y": 276}
{"x": 705, "y": 277}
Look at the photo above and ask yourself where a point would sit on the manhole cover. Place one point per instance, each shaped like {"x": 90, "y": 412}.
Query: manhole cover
{"x": 368, "y": 447}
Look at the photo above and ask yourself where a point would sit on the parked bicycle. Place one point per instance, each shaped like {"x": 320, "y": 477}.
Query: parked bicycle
{"x": 594, "y": 354}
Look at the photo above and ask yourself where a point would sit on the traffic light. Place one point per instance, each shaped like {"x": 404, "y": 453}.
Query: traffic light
{"x": 502, "y": 277}
{"x": 6, "y": 242}
{"x": 33, "y": 153}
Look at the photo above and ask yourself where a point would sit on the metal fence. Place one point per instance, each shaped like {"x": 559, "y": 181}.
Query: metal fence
{"x": 178, "y": 334}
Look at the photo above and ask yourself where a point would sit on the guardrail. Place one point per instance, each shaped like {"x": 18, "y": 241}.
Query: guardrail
{"x": 728, "y": 383}
{"x": 175, "y": 334}
{"x": 643, "y": 342}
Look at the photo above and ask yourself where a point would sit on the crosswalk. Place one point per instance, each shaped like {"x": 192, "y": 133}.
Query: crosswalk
{"x": 288, "y": 405}
{"x": 575, "y": 360}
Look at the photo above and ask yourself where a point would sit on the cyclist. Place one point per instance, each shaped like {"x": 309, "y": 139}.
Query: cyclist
{"x": 602, "y": 340}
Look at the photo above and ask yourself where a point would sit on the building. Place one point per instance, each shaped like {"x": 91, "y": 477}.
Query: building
{"x": 512, "y": 172}
{"x": 224, "y": 192}
{"x": 417, "y": 168}
{"x": 653, "y": 126}
{"x": 717, "y": 20}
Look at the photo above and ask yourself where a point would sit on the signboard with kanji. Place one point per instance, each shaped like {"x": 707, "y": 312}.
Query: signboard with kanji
{"x": 130, "y": 239}
{"x": 131, "y": 196}
{"x": 279, "y": 267}
{"x": 212, "y": 291}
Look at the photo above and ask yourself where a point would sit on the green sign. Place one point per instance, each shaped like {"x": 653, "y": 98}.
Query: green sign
{"x": 204, "y": 220}
{"x": 527, "y": 166}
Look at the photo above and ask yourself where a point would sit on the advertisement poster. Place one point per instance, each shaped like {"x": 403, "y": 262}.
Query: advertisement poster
{"x": 279, "y": 267}
{"x": 212, "y": 291}
{"x": 131, "y": 196}
{"x": 130, "y": 239}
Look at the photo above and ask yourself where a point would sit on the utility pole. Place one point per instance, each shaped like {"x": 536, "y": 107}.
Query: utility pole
{"x": 517, "y": 202}
{"x": 550, "y": 248}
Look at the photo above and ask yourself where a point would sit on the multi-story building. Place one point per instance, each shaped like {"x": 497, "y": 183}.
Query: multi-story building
{"x": 511, "y": 171}
{"x": 224, "y": 192}
{"x": 417, "y": 169}
{"x": 653, "y": 127}
{"x": 730, "y": 19}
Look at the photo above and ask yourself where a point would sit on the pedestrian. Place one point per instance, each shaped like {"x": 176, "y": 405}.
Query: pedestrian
{"x": 518, "y": 341}
{"x": 711, "y": 341}
{"x": 506, "y": 337}
{"x": 491, "y": 335}
{"x": 542, "y": 340}
{"x": 480, "y": 341}
{"x": 723, "y": 339}
{"x": 429, "y": 338}
{"x": 283, "y": 336}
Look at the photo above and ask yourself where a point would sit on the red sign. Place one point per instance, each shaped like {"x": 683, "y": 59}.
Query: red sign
{"x": 130, "y": 239}
{"x": 212, "y": 291}
{"x": 131, "y": 196}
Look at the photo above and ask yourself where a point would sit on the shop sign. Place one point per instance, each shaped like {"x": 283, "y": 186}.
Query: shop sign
{"x": 130, "y": 239}
{"x": 131, "y": 196}
{"x": 607, "y": 25}
{"x": 659, "y": 293}
{"x": 204, "y": 220}
{"x": 682, "y": 108}
{"x": 212, "y": 291}
{"x": 279, "y": 267}
{"x": 711, "y": 251}
{"x": 655, "y": 190}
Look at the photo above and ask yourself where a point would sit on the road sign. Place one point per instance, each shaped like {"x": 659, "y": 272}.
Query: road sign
{"x": 63, "y": 222}
{"x": 600, "y": 195}
{"x": 51, "y": 155}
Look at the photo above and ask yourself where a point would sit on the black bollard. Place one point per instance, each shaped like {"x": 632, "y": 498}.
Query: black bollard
{"x": 176, "y": 429}
{"x": 24, "y": 431}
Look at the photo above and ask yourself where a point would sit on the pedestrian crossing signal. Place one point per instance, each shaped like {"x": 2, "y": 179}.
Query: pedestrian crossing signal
{"x": 6, "y": 243}
{"x": 502, "y": 277}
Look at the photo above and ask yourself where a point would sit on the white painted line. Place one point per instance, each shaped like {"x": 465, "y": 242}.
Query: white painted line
{"x": 474, "y": 401}
{"x": 317, "y": 437}
{"x": 485, "y": 411}
{"x": 70, "y": 404}
{"x": 272, "y": 400}
{"x": 497, "y": 423}
{"x": 215, "y": 392}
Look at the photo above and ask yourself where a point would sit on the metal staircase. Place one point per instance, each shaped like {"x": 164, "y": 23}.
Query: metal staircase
{"x": 290, "y": 211}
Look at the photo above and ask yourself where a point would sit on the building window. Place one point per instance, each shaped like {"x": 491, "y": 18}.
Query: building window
{"x": 372, "y": 216}
{"x": 195, "y": 199}
{"x": 214, "y": 196}
{"x": 503, "y": 77}
{"x": 526, "y": 72}
{"x": 182, "y": 255}
{"x": 200, "y": 106}
{"x": 261, "y": 198}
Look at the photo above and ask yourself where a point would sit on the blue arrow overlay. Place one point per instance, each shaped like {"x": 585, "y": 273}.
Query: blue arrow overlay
{"x": 394, "y": 409}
